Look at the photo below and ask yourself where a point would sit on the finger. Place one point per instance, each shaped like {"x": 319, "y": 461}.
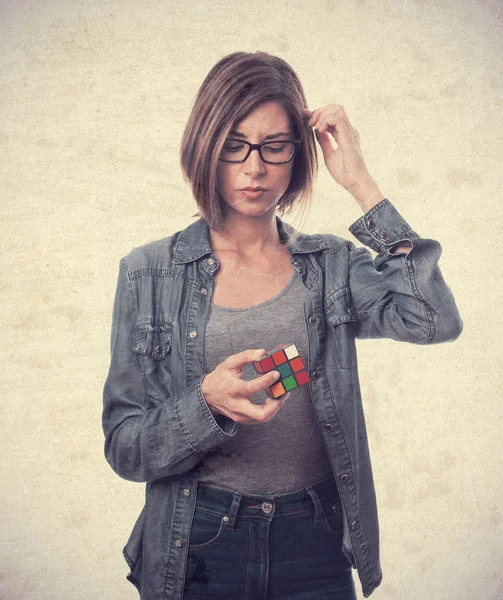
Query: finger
{"x": 248, "y": 388}
{"x": 324, "y": 125}
{"x": 279, "y": 400}
{"x": 236, "y": 361}
{"x": 315, "y": 116}
{"x": 340, "y": 132}
{"x": 264, "y": 412}
{"x": 346, "y": 120}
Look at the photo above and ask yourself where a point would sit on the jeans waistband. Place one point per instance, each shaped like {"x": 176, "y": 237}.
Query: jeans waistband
{"x": 237, "y": 504}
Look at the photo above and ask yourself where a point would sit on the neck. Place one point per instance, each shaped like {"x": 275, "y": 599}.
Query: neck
{"x": 248, "y": 237}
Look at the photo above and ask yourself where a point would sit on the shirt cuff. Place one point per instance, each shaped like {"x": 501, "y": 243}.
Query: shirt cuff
{"x": 197, "y": 422}
{"x": 383, "y": 227}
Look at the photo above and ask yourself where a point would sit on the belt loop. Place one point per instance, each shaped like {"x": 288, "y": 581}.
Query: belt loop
{"x": 236, "y": 501}
{"x": 318, "y": 511}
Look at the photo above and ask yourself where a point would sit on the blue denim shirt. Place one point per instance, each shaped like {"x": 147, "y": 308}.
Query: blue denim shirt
{"x": 157, "y": 424}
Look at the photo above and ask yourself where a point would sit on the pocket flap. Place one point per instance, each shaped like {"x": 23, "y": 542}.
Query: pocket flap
{"x": 339, "y": 307}
{"x": 153, "y": 339}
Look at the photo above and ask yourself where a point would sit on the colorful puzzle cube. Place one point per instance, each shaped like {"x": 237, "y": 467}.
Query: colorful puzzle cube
{"x": 286, "y": 360}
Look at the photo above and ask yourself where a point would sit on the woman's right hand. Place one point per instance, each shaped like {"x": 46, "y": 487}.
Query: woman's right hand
{"x": 227, "y": 394}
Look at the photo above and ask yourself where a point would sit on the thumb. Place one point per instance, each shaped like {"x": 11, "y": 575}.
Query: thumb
{"x": 325, "y": 142}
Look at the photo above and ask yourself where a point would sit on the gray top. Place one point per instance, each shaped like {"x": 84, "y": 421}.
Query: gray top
{"x": 288, "y": 452}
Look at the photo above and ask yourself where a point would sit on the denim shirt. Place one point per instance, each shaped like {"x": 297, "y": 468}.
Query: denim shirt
{"x": 157, "y": 424}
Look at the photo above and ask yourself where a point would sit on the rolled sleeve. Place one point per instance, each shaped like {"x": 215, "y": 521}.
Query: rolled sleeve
{"x": 400, "y": 296}
{"x": 382, "y": 228}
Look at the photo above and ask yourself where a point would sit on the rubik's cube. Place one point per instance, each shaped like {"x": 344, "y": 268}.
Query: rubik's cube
{"x": 286, "y": 360}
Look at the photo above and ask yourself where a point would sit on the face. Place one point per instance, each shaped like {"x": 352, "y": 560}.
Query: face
{"x": 266, "y": 120}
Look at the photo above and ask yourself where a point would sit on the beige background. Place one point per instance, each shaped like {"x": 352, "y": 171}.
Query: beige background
{"x": 93, "y": 101}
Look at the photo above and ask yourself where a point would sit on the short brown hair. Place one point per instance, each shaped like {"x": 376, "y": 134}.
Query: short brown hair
{"x": 234, "y": 87}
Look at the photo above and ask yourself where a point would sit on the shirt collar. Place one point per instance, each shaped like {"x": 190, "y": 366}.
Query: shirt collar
{"x": 194, "y": 241}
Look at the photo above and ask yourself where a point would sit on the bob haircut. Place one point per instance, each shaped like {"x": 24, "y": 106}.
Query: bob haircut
{"x": 234, "y": 87}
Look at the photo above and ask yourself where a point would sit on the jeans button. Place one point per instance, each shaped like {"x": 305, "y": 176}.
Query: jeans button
{"x": 266, "y": 507}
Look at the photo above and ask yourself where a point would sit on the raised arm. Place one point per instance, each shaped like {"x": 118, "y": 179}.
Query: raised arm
{"x": 400, "y": 294}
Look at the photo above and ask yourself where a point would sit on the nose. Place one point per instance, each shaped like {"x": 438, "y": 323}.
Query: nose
{"x": 254, "y": 164}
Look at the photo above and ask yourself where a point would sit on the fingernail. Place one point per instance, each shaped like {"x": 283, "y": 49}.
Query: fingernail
{"x": 276, "y": 374}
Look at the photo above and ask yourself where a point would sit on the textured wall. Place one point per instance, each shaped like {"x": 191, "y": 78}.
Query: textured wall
{"x": 93, "y": 101}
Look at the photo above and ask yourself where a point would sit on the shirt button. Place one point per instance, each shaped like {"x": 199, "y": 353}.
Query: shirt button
{"x": 266, "y": 507}
{"x": 384, "y": 234}
{"x": 186, "y": 492}
{"x": 371, "y": 222}
{"x": 315, "y": 374}
{"x": 343, "y": 477}
{"x": 353, "y": 525}
{"x": 193, "y": 333}
{"x": 158, "y": 349}
{"x": 210, "y": 261}
{"x": 204, "y": 291}
{"x": 312, "y": 320}
{"x": 178, "y": 543}
{"x": 329, "y": 427}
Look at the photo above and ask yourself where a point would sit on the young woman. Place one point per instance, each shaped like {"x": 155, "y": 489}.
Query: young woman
{"x": 246, "y": 498}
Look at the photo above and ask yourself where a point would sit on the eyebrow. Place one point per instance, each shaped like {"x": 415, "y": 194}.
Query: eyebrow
{"x": 271, "y": 136}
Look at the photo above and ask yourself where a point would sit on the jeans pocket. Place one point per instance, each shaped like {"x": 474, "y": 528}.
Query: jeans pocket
{"x": 332, "y": 515}
{"x": 207, "y": 528}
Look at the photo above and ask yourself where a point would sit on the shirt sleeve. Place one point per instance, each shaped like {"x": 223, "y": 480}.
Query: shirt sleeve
{"x": 143, "y": 443}
{"x": 402, "y": 296}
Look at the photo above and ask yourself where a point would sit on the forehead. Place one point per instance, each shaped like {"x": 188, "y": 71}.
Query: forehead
{"x": 268, "y": 115}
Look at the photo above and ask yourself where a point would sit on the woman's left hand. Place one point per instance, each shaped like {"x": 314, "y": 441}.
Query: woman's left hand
{"x": 345, "y": 161}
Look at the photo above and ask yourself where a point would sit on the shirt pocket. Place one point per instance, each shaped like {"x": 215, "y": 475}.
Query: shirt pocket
{"x": 341, "y": 318}
{"x": 152, "y": 343}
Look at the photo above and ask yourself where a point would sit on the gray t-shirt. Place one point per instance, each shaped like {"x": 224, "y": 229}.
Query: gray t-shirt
{"x": 287, "y": 453}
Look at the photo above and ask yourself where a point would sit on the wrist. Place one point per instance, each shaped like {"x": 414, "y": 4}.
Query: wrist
{"x": 366, "y": 193}
{"x": 205, "y": 384}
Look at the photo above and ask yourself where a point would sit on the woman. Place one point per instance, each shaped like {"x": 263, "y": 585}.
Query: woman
{"x": 247, "y": 498}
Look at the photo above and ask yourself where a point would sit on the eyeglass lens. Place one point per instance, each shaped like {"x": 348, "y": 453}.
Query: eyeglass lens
{"x": 273, "y": 152}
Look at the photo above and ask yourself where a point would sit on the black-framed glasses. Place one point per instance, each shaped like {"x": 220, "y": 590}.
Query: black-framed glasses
{"x": 274, "y": 153}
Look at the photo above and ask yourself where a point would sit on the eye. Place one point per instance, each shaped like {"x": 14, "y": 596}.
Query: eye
{"x": 275, "y": 148}
{"x": 233, "y": 147}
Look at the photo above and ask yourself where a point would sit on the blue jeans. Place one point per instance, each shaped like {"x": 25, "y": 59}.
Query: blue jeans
{"x": 272, "y": 547}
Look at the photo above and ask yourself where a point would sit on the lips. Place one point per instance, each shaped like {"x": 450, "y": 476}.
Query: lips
{"x": 253, "y": 189}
